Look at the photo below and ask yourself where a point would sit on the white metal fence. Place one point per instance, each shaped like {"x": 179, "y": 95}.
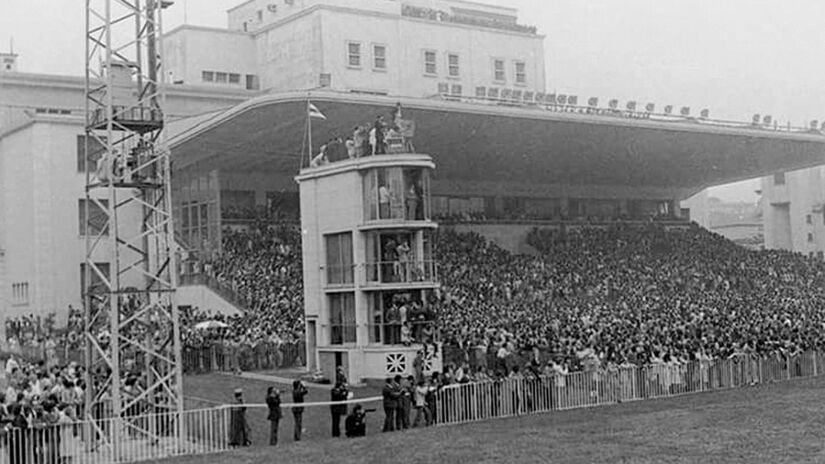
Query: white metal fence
{"x": 530, "y": 394}
{"x": 155, "y": 436}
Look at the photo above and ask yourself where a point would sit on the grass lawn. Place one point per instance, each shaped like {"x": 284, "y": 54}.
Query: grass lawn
{"x": 765, "y": 424}
{"x": 317, "y": 421}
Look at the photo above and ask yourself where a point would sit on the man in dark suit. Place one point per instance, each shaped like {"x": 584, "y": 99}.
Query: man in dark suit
{"x": 273, "y": 402}
{"x": 391, "y": 394}
{"x": 299, "y": 391}
{"x": 338, "y": 393}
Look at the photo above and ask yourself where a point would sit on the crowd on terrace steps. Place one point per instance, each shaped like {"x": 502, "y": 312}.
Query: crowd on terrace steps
{"x": 592, "y": 295}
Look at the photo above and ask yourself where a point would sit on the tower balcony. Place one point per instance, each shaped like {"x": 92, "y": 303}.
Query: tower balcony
{"x": 401, "y": 274}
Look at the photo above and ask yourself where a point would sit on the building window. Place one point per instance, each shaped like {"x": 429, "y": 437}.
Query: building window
{"x": 456, "y": 89}
{"x": 342, "y": 318}
{"x": 96, "y": 150}
{"x": 340, "y": 268}
{"x": 779, "y": 178}
{"x": 260, "y": 15}
{"x": 97, "y": 285}
{"x": 453, "y": 69}
{"x": 97, "y": 222}
{"x": 481, "y": 92}
{"x": 443, "y": 88}
{"x": 221, "y": 77}
{"x": 354, "y": 54}
{"x": 208, "y": 76}
{"x": 379, "y": 57}
{"x": 20, "y": 293}
{"x": 498, "y": 71}
{"x": 234, "y": 78}
{"x": 252, "y": 82}
{"x": 521, "y": 72}
{"x": 430, "y": 67}
{"x": 810, "y": 237}
{"x": 809, "y": 219}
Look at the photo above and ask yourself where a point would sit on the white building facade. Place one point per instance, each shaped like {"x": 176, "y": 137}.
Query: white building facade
{"x": 793, "y": 212}
{"x": 414, "y": 48}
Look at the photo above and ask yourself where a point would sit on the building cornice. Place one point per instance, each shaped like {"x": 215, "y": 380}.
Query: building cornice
{"x": 381, "y": 14}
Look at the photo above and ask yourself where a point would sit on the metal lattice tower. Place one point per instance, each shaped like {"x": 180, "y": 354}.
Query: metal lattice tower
{"x": 132, "y": 332}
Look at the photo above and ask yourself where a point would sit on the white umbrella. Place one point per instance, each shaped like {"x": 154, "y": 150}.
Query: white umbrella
{"x": 206, "y": 325}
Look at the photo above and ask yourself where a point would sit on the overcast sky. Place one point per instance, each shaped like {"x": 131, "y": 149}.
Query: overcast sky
{"x": 734, "y": 57}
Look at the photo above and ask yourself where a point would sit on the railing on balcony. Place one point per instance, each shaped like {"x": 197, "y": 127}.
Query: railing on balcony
{"x": 223, "y": 289}
{"x": 407, "y": 333}
{"x": 392, "y": 272}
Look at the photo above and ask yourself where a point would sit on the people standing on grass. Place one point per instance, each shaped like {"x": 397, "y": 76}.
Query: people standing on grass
{"x": 299, "y": 391}
{"x": 273, "y": 402}
{"x": 338, "y": 393}
{"x": 238, "y": 426}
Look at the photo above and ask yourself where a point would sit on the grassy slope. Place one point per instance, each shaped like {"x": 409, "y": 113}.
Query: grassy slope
{"x": 773, "y": 423}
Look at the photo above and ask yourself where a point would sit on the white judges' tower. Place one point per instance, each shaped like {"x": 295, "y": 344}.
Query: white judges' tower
{"x": 369, "y": 272}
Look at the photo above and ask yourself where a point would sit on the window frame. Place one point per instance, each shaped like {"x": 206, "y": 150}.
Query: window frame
{"x": 434, "y": 62}
{"x": 237, "y": 77}
{"x": 450, "y": 66}
{"x": 225, "y": 76}
{"x": 211, "y": 77}
{"x": 84, "y": 161}
{"x": 83, "y": 221}
{"x": 350, "y": 55}
{"x": 495, "y": 62}
{"x": 523, "y": 74}
{"x": 375, "y": 57}
{"x": 340, "y": 267}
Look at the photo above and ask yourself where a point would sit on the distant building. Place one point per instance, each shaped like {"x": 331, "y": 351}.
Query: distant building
{"x": 793, "y": 212}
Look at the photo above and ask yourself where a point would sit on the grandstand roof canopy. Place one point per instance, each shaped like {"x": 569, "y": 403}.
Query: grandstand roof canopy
{"x": 482, "y": 142}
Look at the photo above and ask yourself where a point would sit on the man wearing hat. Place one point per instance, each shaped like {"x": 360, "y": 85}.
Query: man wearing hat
{"x": 238, "y": 426}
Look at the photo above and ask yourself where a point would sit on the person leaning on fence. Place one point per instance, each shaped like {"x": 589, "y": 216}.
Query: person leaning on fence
{"x": 299, "y": 391}
{"x": 338, "y": 393}
{"x": 273, "y": 402}
{"x": 238, "y": 426}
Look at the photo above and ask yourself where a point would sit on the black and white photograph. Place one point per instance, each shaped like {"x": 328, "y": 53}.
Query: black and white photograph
{"x": 412, "y": 231}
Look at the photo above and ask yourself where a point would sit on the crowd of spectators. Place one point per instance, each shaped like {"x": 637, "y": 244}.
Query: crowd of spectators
{"x": 37, "y": 409}
{"x": 638, "y": 294}
{"x": 262, "y": 266}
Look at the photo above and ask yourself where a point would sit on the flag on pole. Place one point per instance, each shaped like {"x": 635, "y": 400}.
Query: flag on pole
{"x": 314, "y": 112}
